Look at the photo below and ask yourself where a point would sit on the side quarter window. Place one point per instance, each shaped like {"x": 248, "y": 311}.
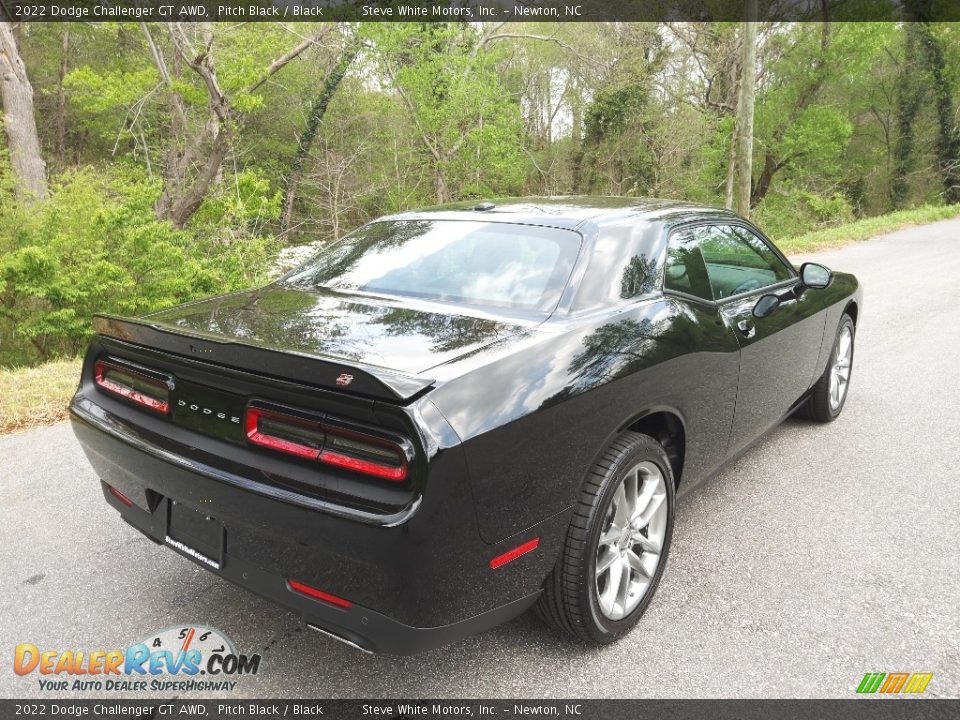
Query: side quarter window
{"x": 619, "y": 268}
{"x": 686, "y": 271}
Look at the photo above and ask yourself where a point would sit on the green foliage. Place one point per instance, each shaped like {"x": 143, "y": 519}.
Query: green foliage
{"x": 95, "y": 246}
{"x": 246, "y": 205}
{"x": 613, "y": 111}
{"x": 469, "y": 132}
{"x": 436, "y": 112}
{"x": 93, "y": 93}
{"x": 816, "y": 142}
{"x": 794, "y": 210}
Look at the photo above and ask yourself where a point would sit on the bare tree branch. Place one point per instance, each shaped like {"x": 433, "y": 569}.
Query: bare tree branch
{"x": 176, "y": 102}
{"x": 526, "y": 36}
{"x": 291, "y": 55}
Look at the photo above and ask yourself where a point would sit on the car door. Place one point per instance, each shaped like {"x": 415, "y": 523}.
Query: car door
{"x": 779, "y": 352}
{"x": 708, "y": 373}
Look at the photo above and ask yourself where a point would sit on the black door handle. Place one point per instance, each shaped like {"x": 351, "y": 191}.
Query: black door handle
{"x": 747, "y": 328}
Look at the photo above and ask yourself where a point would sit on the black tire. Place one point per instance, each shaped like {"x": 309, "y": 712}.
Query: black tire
{"x": 570, "y": 600}
{"x": 818, "y": 406}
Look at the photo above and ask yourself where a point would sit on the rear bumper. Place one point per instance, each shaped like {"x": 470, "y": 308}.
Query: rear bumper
{"x": 417, "y": 582}
{"x": 361, "y": 627}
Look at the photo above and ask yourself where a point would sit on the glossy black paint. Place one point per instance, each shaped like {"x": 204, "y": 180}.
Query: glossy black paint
{"x": 505, "y": 414}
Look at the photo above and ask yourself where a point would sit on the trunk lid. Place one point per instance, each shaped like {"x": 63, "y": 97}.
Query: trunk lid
{"x": 378, "y": 348}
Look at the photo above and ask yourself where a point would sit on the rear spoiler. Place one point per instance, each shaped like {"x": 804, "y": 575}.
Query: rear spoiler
{"x": 329, "y": 373}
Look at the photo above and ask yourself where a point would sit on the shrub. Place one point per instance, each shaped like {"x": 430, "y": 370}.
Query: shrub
{"x": 95, "y": 246}
{"x": 795, "y": 211}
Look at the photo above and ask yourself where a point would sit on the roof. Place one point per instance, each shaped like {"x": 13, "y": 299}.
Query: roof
{"x": 564, "y": 211}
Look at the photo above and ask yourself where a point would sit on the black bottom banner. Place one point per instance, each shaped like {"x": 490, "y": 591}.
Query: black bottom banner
{"x": 854, "y": 709}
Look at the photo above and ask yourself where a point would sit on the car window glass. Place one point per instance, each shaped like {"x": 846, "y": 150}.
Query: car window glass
{"x": 619, "y": 267}
{"x": 520, "y": 267}
{"x": 686, "y": 271}
{"x": 738, "y": 261}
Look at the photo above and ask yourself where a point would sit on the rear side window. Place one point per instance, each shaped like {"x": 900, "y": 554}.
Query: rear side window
{"x": 686, "y": 271}
{"x": 619, "y": 267}
{"x": 521, "y": 267}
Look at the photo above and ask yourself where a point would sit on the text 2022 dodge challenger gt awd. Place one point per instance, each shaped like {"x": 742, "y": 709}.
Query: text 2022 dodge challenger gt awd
{"x": 452, "y": 415}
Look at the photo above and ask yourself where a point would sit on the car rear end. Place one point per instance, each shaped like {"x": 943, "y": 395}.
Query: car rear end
{"x": 336, "y": 490}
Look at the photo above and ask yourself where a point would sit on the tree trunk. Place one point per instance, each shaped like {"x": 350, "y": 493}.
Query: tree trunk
{"x": 182, "y": 197}
{"x": 576, "y": 131}
{"x": 19, "y": 124}
{"x": 909, "y": 96}
{"x": 773, "y": 162}
{"x": 61, "y": 122}
{"x": 948, "y": 136}
{"x": 180, "y": 206}
{"x": 317, "y": 110}
{"x": 748, "y": 82}
{"x": 189, "y": 201}
{"x": 770, "y": 168}
{"x": 732, "y": 159}
{"x": 440, "y": 190}
{"x": 177, "y": 157}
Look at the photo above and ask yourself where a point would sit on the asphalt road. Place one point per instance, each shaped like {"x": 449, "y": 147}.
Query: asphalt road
{"x": 824, "y": 553}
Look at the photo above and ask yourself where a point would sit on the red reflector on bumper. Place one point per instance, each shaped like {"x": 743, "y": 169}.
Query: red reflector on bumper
{"x": 511, "y": 555}
{"x": 319, "y": 594}
{"x": 120, "y": 496}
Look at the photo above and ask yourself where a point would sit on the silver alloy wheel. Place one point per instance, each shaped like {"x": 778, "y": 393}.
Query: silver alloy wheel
{"x": 840, "y": 372}
{"x": 631, "y": 542}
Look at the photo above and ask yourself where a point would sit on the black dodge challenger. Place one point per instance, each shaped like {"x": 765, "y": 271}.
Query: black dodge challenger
{"x": 452, "y": 415}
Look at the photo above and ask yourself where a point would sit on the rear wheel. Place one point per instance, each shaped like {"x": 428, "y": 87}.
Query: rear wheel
{"x": 617, "y": 543}
{"x": 830, "y": 392}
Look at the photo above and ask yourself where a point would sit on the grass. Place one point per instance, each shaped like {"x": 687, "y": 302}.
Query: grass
{"x": 866, "y": 228}
{"x": 31, "y": 397}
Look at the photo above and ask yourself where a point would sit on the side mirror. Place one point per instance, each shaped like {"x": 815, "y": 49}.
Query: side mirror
{"x": 765, "y": 306}
{"x": 815, "y": 276}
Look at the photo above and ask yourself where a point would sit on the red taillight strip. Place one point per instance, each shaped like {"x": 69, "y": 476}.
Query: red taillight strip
{"x": 120, "y": 496}
{"x": 99, "y": 370}
{"x": 319, "y": 594}
{"x": 511, "y": 555}
{"x": 252, "y": 424}
{"x": 367, "y": 467}
{"x": 394, "y": 473}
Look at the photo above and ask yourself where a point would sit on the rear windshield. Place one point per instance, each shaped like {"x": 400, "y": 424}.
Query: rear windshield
{"x": 520, "y": 267}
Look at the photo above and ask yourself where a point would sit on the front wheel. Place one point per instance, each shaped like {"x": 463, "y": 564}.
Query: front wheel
{"x": 830, "y": 392}
{"x": 617, "y": 543}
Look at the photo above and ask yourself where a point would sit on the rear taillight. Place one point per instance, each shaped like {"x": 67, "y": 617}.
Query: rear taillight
{"x": 140, "y": 389}
{"x": 326, "y": 443}
{"x": 284, "y": 433}
{"x": 364, "y": 454}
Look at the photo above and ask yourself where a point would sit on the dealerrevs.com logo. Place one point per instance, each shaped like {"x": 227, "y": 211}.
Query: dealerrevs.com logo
{"x": 894, "y": 683}
{"x": 178, "y": 659}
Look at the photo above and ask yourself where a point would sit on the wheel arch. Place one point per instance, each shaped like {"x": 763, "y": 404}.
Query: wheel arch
{"x": 852, "y": 310}
{"x": 666, "y": 426}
